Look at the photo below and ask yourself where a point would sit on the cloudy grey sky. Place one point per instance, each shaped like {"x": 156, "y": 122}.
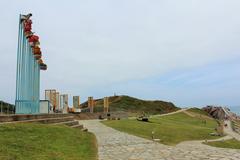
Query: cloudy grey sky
{"x": 184, "y": 51}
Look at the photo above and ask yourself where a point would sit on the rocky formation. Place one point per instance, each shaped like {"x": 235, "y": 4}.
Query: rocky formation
{"x": 216, "y": 112}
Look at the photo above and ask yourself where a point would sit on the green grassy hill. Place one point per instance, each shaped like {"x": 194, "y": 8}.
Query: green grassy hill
{"x": 134, "y": 105}
{"x": 171, "y": 129}
{"x": 231, "y": 143}
{"x": 29, "y": 141}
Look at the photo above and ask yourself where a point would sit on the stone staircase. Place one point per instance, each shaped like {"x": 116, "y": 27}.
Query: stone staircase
{"x": 236, "y": 126}
{"x": 52, "y": 119}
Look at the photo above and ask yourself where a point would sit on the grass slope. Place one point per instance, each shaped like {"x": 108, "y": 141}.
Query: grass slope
{"x": 232, "y": 143}
{"x": 134, "y": 105}
{"x": 171, "y": 129}
{"x": 198, "y": 111}
{"x": 45, "y": 142}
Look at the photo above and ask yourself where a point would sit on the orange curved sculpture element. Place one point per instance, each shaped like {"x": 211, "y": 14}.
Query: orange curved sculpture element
{"x": 40, "y": 61}
{"x": 37, "y": 56}
{"x": 36, "y": 50}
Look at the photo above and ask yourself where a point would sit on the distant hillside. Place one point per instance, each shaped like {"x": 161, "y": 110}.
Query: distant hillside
{"x": 6, "y": 107}
{"x": 134, "y": 105}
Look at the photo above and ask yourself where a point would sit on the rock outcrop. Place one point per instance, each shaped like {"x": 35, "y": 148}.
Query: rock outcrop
{"x": 216, "y": 112}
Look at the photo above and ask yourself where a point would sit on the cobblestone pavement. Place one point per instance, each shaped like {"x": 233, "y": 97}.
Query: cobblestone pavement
{"x": 229, "y": 131}
{"x": 116, "y": 145}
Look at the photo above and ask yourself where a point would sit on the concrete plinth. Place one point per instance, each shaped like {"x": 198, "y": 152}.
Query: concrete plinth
{"x": 105, "y": 105}
{"x": 91, "y": 104}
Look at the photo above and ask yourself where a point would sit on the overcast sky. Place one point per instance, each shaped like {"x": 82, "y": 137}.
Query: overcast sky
{"x": 186, "y": 51}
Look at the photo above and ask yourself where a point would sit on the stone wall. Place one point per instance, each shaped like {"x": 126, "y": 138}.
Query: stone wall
{"x": 11, "y": 118}
{"x": 86, "y": 116}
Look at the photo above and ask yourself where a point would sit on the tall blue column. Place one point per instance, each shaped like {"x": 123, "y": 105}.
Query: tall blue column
{"x": 28, "y": 77}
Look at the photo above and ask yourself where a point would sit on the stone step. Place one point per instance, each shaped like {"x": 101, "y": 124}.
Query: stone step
{"x": 84, "y": 129}
{"x": 78, "y": 126}
{"x": 236, "y": 128}
{"x": 237, "y": 125}
{"x": 56, "y": 120}
{"x": 68, "y": 123}
{"x": 45, "y": 120}
{"x": 13, "y": 118}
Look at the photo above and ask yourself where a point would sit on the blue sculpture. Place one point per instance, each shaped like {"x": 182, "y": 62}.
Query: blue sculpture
{"x": 29, "y": 64}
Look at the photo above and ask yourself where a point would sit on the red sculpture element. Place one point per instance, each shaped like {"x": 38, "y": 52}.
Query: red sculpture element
{"x": 33, "y": 40}
{"x": 27, "y": 25}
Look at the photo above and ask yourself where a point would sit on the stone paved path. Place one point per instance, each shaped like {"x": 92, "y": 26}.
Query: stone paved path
{"x": 171, "y": 113}
{"x": 229, "y": 131}
{"x": 116, "y": 145}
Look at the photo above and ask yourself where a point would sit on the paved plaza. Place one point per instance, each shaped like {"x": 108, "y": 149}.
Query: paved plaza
{"x": 116, "y": 145}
